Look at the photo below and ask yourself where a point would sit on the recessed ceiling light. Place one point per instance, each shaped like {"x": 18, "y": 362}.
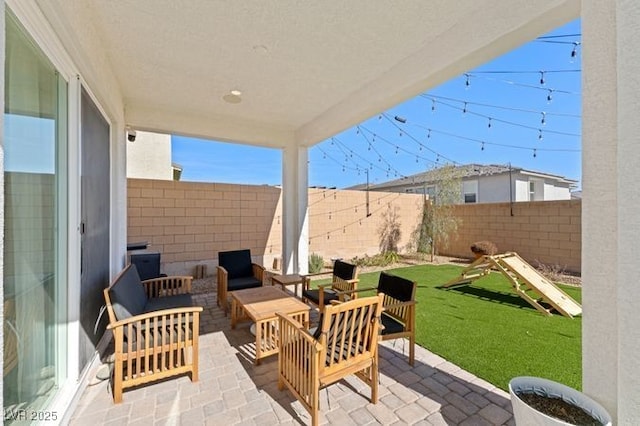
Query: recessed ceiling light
{"x": 232, "y": 99}
{"x": 236, "y": 92}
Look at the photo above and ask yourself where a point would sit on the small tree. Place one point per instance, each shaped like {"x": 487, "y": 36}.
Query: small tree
{"x": 438, "y": 222}
{"x": 389, "y": 230}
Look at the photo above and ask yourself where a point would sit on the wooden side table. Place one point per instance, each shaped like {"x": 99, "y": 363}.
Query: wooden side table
{"x": 289, "y": 279}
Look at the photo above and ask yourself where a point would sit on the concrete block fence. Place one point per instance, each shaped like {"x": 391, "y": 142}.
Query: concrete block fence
{"x": 190, "y": 222}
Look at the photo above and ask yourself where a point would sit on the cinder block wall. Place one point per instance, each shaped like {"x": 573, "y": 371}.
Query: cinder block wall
{"x": 190, "y": 222}
{"x": 544, "y": 231}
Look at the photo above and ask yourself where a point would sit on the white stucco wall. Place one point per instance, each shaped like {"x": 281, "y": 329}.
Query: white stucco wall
{"x": 149, "y": 157}
{"x": 521, "y": 190}
{"x": 493, "y": 189}
{"x": 611, "y": 201}
{"x": 552, "y": 192}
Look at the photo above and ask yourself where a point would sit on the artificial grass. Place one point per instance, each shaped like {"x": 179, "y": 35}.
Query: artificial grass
{"x": 490, "y": 331}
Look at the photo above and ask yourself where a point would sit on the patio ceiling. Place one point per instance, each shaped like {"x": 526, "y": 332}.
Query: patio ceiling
{"x": 306, "y": 70}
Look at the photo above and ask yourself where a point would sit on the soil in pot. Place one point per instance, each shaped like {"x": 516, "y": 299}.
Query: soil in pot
{"x": 559, "y": 409}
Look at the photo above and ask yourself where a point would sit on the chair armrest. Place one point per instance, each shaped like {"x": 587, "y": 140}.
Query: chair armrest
{"x": 195, "y": 310}
{"x": 167, "y": 286}
{"x": 289, "y": 326}
{"x": 359, "y": 290}
{"x": 258, "y": 271}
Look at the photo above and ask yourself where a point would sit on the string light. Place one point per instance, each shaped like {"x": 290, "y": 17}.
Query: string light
{"x": 435, "y": 98}
{"x": 542, "y": 78}
{"x": 467, "y": 83}
{"x": 574, "y": 51}
{"x": 534, "y": 153}
{"x": 482, "y": 147}
{"x": 512, "y": 123}
{"x": 543, "y": 120}
{"x": 550, "y": 95}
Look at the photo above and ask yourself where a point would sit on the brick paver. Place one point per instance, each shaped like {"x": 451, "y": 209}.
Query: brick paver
{"x": 234, "y": 391}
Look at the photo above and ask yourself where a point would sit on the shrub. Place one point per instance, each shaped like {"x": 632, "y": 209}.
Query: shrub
{"x": 484, "y": 247}
{"x": 380, "y": 259}
{"x": 316, "y": 263}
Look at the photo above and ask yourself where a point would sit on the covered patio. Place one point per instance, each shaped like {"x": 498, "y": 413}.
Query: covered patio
{"x": 232, "y": 390}
{"x": 287, "y": 76}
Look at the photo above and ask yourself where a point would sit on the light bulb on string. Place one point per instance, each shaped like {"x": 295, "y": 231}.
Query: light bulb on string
{"x": 534, "y": 153}
{"x": 574, "y": 51}
{"x": 540, "y": 137}
{"x": 550, "y": 96}
{"x": 489, "y": 123}
{"x": 467, "y": 83}
{"x": 429, "y": 134}
{"x": 482, "y": 147}
{"x": 379, "y": 116}
{"x": 416, "y": 159}
{"x": 396, "y": 150}
{"x": 433, "y": 105}
{"x": 464, "y": 110}
{"x": 369, "y": 148}
{"x": 543, "y": 120}
{"x": 542, "y": 78}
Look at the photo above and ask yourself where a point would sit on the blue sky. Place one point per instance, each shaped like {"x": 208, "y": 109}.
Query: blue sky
{"x": 498, "y": 113}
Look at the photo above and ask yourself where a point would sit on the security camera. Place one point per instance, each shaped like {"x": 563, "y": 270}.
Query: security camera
{"x": 131, "y": 135}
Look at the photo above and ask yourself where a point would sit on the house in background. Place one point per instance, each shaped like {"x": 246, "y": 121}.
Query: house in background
{"x": 493, "y": 183}
{"x": 149, "y": 157}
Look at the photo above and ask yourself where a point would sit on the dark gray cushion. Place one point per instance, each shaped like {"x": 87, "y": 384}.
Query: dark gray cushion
{"x": 242, "y": 283}
{"x": 128, "y": 297}
{"x": 314, "y": 296}
{"x": 397, "y": 287}
{"x": 391, "y": 326}
{"x": 344, "y": 270}
{"x": 168, "y": 302}
{"x": 236, "y": 262}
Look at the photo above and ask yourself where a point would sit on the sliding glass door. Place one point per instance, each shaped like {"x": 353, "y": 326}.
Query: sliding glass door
{"x": 35, "y": 280}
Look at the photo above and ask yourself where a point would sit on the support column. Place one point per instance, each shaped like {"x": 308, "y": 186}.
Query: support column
{"x": 295, "y": 203}
{"x": 611, "y": 200}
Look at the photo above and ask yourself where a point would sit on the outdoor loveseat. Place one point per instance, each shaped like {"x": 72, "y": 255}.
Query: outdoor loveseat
{"x": 155, "y": 328}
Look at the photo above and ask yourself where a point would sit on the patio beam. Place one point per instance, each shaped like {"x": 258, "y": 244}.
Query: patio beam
{"x": 610, "y": 225}
{"x": 295, "y": 203}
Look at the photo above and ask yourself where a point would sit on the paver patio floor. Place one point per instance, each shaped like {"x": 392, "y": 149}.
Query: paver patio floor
{"x": 234, "y": 391}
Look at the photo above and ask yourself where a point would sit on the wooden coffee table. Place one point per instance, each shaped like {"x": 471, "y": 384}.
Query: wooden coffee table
{"x": 289, "y": 279}
{"x": 260, "y": 306}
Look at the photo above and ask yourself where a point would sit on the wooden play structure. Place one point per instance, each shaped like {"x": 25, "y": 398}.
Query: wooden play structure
{"x": 525, "y": 280}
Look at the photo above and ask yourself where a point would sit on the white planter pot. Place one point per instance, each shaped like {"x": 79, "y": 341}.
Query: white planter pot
{"x": 525, "y": 415}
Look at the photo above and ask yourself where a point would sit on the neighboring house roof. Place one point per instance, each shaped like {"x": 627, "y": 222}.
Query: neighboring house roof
{"x": 466, "y": 171}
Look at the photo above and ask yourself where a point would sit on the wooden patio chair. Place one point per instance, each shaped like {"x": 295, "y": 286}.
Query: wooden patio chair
{"x": 236, "y": 271}
{"x": 344, "y": 282}
{"x": 346, "y": 342}
{"x": 398, "y": 317}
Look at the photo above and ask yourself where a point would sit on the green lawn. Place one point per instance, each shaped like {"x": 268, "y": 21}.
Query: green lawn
{"x": 488, "y": 330}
